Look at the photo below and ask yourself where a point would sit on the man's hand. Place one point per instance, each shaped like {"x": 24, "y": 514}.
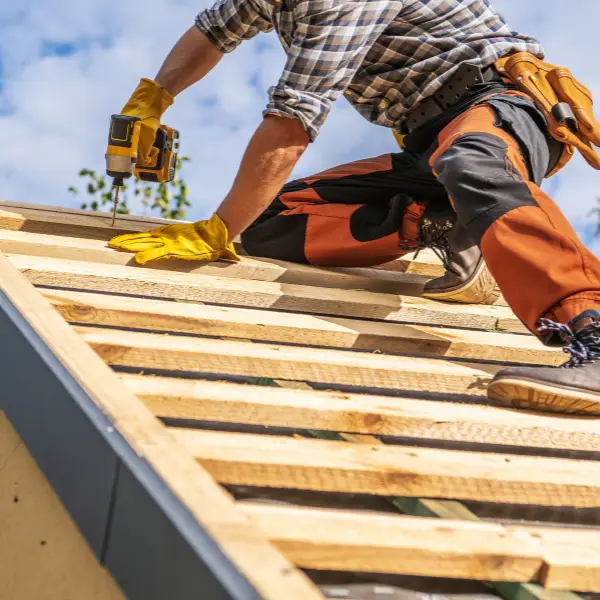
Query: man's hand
{"x": 148, "y": 103}
{"x": 205, "y": 241}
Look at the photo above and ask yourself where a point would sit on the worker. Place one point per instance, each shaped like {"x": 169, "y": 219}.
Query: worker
{"x": 467, "y": 183}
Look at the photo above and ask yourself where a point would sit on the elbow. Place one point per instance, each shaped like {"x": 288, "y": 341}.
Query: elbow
{"x": 289, "y": 133}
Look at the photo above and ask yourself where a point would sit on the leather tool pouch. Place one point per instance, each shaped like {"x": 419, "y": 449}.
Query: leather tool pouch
{"x": 566, "y": 104}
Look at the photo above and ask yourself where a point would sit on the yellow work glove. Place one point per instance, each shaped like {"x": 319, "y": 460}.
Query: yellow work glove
{"x": 205, "y": 240}
{"x": 148, "y": 102}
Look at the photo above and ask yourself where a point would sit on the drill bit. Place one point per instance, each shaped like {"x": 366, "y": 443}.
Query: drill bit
{"x": 117, "y": 183}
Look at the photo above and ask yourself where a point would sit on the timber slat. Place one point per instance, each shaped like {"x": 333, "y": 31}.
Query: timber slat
{"x": 92, "y": 224}
{"x": 353, "y": 413}
{"x": 560, "y": 558}
{"x": 118, "y": 279}
{"x": 71, "y": 248}
{"x": 322, "y": 308}
{"x": 266, "y": 568}
{"x": 55, "y": 220}
{"x": 571, "y": 557}
{"x": 352, "y": 541}
{"x": 321, "y": 365}
{"x": 232, "y": 322}
{"x": 269, "y": 461}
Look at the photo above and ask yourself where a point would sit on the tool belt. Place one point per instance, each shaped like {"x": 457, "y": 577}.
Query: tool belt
{"x": 454, "y": 90}
{"x": 566, "y": 104}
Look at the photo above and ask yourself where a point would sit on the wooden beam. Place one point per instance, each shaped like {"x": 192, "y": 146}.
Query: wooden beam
{"x": 37, "y": 218}
{"x": 420, "y": 263}
{"x": 232, "y": 322}
{"x": 268, "y": 571}
{"x": 55, "y": 220}
{"x": 452, "y": 510}
{"x": 270, "y": 461}
{"x": 571, "y": 557}
{"x": 353, "y": 413}
{"x": 118, "y": 279}
{"x": 263, "y": 269}
{"x": 240, "y": 358}
{"x": 344, "y": 540}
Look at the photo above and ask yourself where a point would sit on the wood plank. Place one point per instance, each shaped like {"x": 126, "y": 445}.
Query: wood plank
{"x": 20, "y": 216}
{"x": 178, "y": 353}
{"x": 449, "y": 509}
{"x": 261, "y": 294}
{"x": 571, "y": 557}
{"x": 271, "y": 574}
{"x": 345, "y": 540}
{"x": 270, "y": 461}
{"x": 421, "y": 263}
{"x": 72, "y": 222}
{"x": 263, "y": 269}
{"x": 42, "y": 552}
{"x": 374, "y": 415}
{"x": 232, "y": 322}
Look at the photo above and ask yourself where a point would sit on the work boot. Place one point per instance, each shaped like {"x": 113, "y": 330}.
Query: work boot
{"x": 467, "y": 278}
{"x": 571, "y": 388}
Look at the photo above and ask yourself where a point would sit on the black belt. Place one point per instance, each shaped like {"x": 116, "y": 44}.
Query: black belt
{"x": 450, "y": 94}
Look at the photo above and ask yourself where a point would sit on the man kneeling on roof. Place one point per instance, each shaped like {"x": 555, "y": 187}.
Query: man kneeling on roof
{"x": 481, "y": 121}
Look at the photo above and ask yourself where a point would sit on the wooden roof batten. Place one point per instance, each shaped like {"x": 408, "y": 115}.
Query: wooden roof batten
{"x": 198, "y": 510}
{"x": 140, "y": 392}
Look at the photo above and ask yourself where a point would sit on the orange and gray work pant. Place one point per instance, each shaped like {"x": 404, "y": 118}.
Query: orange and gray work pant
{"x": 488, "y": 162}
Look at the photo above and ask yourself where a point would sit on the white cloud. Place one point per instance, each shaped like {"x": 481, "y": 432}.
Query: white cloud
{"x": 56, "y": 109}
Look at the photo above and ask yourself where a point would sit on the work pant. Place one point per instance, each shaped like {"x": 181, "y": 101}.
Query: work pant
{"x": 488, "y": 162}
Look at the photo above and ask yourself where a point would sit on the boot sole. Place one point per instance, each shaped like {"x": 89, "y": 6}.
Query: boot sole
{"x": 530, "y": 394}
{"x": 480, "y": 289}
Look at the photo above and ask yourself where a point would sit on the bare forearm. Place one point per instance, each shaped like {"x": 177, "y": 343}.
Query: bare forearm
{"x": 267, "y": 164}
{"x": 192, "y": 57}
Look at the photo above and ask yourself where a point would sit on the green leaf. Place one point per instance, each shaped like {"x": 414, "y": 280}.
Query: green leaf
{"x": 72, "y": 190}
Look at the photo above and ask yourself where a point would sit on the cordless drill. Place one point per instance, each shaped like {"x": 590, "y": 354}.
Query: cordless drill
{"x": 122, "y": 151}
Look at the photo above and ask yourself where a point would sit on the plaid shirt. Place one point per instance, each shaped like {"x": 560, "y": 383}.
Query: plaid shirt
{"x": 385, "y": 56}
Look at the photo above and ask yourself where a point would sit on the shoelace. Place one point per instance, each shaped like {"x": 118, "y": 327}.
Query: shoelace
{"x": 434, "y": 235}
{"x": 582, "y": 345}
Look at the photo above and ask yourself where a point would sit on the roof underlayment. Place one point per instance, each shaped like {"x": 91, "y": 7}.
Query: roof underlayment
{"x": 266, "y": 430}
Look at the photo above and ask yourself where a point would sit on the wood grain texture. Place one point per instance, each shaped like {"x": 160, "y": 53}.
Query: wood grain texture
{"x": 232, "y": 322}
{"x": 98, "y": 225}
{"x": 54, "y": 220}
{"x": 178, "y": 353}
{"x": 42, "y": 552}
{"x": 270, "y": 461}
{"x": 271, "y": 574}
{"x": 354, "y": 413}
{"x": 354, "y": 541}
{"x": 571, "y": 558}
{"x": 260, "y": 294}
{"x": 263, "y": 269}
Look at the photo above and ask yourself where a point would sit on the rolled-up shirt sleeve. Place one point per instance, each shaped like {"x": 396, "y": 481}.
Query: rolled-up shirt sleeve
{"x": 331, "y": 40}
{"x": 229, "y": 22}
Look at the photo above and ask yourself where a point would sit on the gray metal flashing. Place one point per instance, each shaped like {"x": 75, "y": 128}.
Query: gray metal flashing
{"x": 146, "y": 537}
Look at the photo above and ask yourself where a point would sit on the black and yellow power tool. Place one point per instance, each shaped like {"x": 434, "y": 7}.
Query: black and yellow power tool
{"x": 122, "y": 152}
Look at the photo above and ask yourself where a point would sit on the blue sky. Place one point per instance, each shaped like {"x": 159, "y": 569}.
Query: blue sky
{"x": 66, "y": 65}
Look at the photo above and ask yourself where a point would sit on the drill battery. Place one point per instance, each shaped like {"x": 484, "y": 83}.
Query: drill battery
{"x": 122, "y": 151}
